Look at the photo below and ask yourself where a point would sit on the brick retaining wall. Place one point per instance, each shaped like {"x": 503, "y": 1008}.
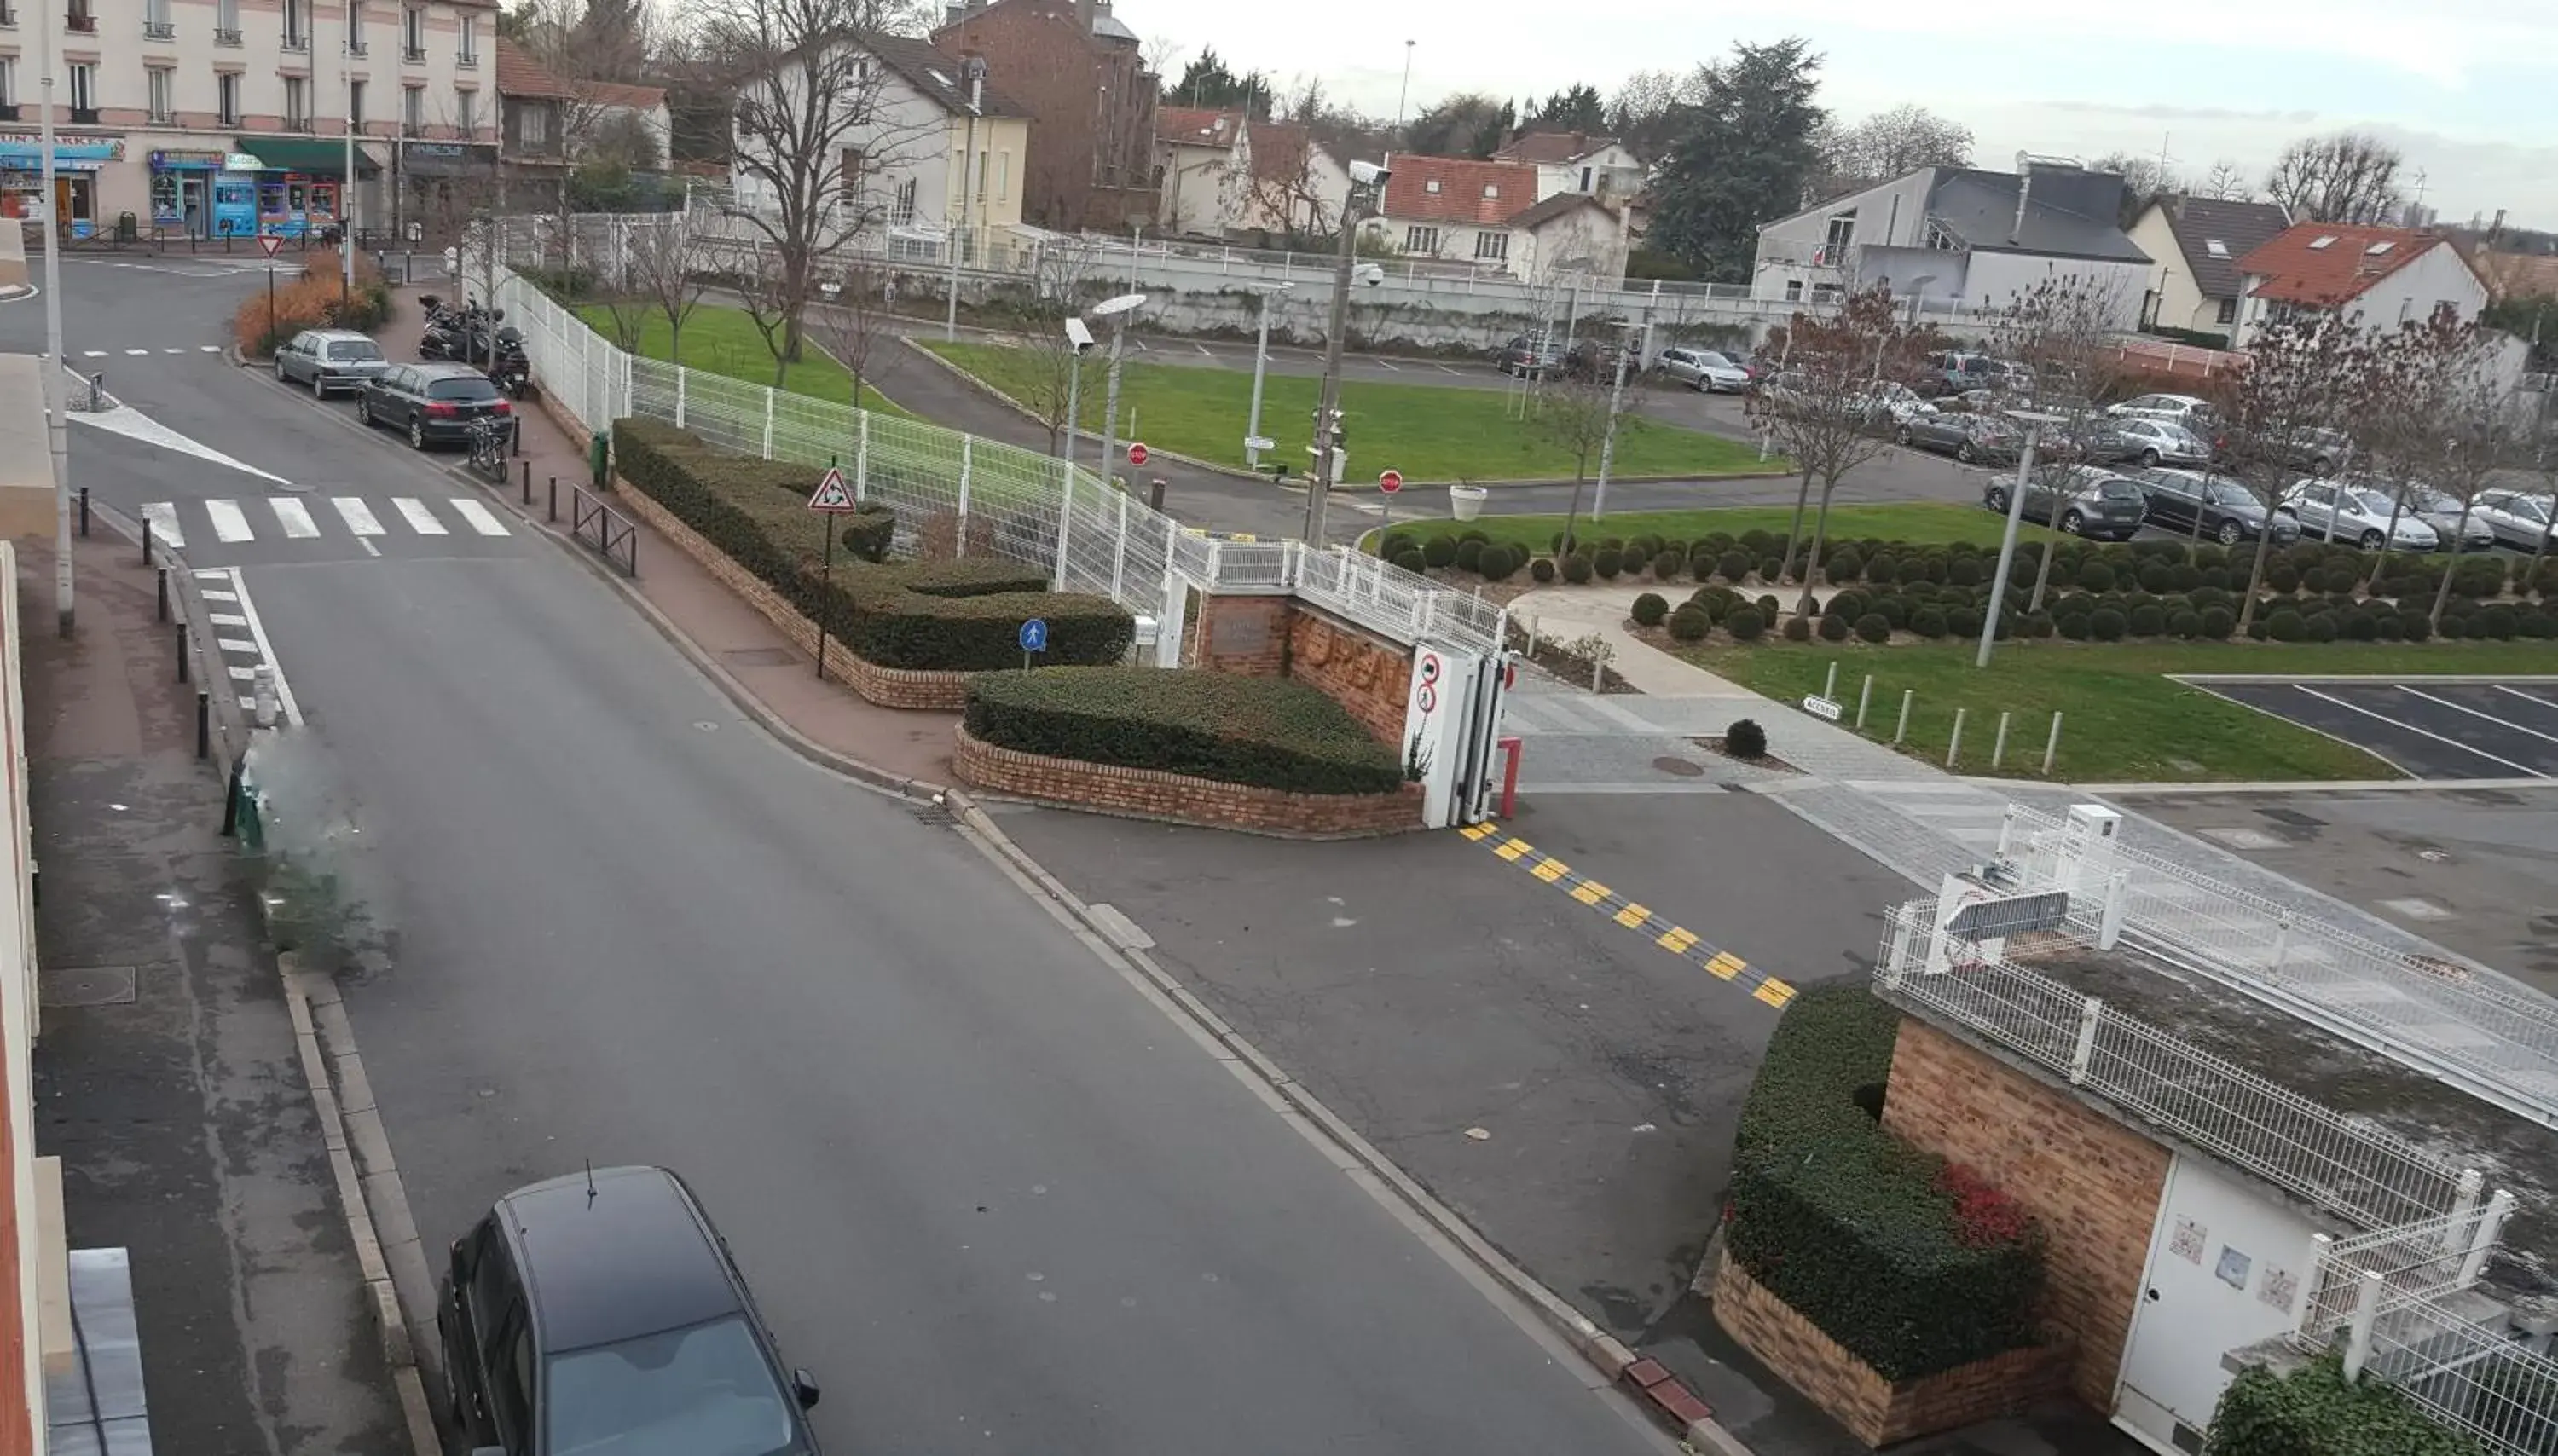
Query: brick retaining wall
{"x": 1145, "y": 793}
{"x": 1875, "y": 1410}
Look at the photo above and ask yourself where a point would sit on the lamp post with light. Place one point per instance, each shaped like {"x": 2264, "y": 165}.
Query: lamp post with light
{"x": 1260, "y": 364}
{"x": 1116, "y": 311}
{"x": 2032, "y": 421}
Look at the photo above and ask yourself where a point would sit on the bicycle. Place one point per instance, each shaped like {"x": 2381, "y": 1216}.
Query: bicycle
{"x": 489, "y": 449}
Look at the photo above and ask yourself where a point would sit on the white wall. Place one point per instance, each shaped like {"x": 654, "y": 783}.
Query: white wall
{"x": 2180, "y": 304}
{"x": 906, "y": 137}
{"x": 1202, "y": 188}
{"x": 2438, "y": 277}
{"x": 1995, "y": 281}
{"x": 1892, "y": 214}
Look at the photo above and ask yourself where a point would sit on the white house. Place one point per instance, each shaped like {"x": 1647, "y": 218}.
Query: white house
{"x": 2377, "y": 277}
{"x": 1457, "y": 209}
{"x": 1576, "y": 161}
{"x": 1958, "y": 236}
{"x": 2196, "y": 243}
{"x": 1203, "y": 170}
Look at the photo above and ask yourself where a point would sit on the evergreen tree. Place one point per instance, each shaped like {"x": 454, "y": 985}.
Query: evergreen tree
{"x": 1210, "y": 84}
{"x": 1577, "y": 108}
{"x": 1741, "y": 157}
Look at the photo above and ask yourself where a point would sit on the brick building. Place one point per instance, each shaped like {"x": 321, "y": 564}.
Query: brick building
{"x": 1078, "y": 72}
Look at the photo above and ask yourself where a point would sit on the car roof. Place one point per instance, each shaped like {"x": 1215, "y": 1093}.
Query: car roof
{"x": 614, "y": 1254}
{"x": 336, "y": 334}
{"x": 441, "y": 370}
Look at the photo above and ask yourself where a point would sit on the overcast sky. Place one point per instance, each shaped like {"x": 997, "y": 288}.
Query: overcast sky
{"x": 2467, "y": 88}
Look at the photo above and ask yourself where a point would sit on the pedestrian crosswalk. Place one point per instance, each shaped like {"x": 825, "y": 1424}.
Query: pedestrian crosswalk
{"x": 292, "y": 518}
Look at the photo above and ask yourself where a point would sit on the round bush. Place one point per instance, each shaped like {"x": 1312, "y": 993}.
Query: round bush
{"x": 1769, "y": 611}
{"x": 1796, "y": 629}
{"x": 1473, "y": 533}
{"x": 1964, "y": 570}
{"x": 1667, "y": 565}
{"x": 1851, "y": 604}
{"x": 1469, "y": 555}
{"x": 2106, "y": 624}
{"x": 1845, "y": 566}
{"x": 1411, "y": 559}
{"x": 2282, "y": 577}
{"x": 2494, "y": 620}
{"x": 2184, "y": 577}
{"x": 1966, "y": 622}
{"x": 1690, "y": 625}
{"x": 2217, "y": 622}
{"x": 2417, "y": 626}
{"x": 1649, "y": 609}
{"x": 1772, "y": 571}
{"x": 2320, "y": 627}
{"x": 1732, "y": 566}
{"x": 1608, "y": 563}
{"x": 2222, "y": 579}
{"x": 1575, "y": 568}
{"x": 1928, "y": 622}
{"x": 2452, "y": 627}
{"x": 2536, "y": 626}
{"x": 1872, "y": 627}
{"x": 1745, "y": 738}
{"x": 1834, "y": 628}
{"x": 2072, "y": 626}
{"x": 2153, "y": 576}
{"x": 1542, "y": 569}
{"x": 2389, "y": 627}
{"x": 1745, "y": 623}
{"x": 2095, "y": 576}
{"x": 2363, "y": 627}
{"x": 2186, "y": 623}
{"x": 2286, "y": 624}
{"x": 1882, "y": 570}
{"x": 1394, "y": 542}
{"x": 1895, "y": 611}
{"x": 1439, "y": 550}
{"x": 1758, "y": 542}
{"x": 2146, "y": 622}
{"x": 1502, "y": 562}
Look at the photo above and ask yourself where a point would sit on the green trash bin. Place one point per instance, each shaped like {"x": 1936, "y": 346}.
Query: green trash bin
{"x": 128, "y": 228}
{"x": 599, "y": 459}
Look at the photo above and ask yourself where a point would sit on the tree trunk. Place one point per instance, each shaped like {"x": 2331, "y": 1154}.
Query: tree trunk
{"x": 2256, "y": 573}
{"x": 1795, "y": 532}
{"x": 1571, "y": 517}
{"x": 2443, "y": 590}
{"x": 2380, "y": 559}
{"x": 1820, "y": 530}
{"x": 2052, "y": 542}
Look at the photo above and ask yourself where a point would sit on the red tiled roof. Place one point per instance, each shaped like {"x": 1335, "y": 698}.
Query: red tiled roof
{"x": 520, "y": 74}
{"x": 1553, "y": 148}
{"x": 2294, "y": 268}
{"x": 1195, "y": 126}
{"x": 1465, "y": 191}
{"x": 1279, "y": 150}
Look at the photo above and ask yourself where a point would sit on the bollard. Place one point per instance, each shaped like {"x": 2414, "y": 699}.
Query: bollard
{"x": 83, "y": 512}
{"x": 1829, "y": 684}
{"x": 231, "y": 804}
{"x": 528, "y": 482}
{"x": 146, "y": 541}
{"x": 203, "y": 724}
{"x": 2052, "y": 746}
{"x": 164, "y": 594}
{"x": 182, "y": 652}
{"x": 1155, "y": 493}
{"x": 1998, "y": 746}
{"x": 1898, "y": 734}
{"x": 1864, "y": 695}
{"x": 554, "y": 500}
{"x": 1955, "y": 744}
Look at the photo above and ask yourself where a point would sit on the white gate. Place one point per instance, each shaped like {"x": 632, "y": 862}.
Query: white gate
{"x": 1452, "y": 727}
{"x": 2227, "y": 1266}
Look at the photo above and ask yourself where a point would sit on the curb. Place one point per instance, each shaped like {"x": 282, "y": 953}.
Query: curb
{"x": 2301, "y": 786}
{"x": 1686, "y": 1416}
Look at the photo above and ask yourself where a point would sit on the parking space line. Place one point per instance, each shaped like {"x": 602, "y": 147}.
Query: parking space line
{"x": 1679, "y": 941}
{"x": 2411, "y": 727}
{"x": 1382, "y": 364}
{"x": 2525, "y": 697}
{"x": 2473, "y": 713}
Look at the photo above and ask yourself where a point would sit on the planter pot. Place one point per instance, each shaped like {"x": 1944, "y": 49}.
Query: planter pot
{"x": 1466, "y": 502}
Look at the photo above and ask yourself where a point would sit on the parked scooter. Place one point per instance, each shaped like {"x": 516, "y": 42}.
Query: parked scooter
{"x": 510, "y": 369}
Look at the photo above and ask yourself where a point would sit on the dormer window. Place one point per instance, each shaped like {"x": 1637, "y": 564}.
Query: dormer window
{"x": 2322, "y": 241}
{"x": 2378, "y": 248}
{"x": 2215, "y": 247}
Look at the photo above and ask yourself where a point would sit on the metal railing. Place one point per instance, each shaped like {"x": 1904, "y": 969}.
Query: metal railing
{"x": 2355, "y": 1170}
{"x": 2466, "y": 1026}
{"x": 2472, "y": 1378}
{"x": 2425, "y": 1260}
{"x": 610, "y": 533}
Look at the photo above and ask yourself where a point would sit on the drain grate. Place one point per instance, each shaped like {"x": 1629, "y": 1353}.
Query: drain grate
{"x": 87, "y": 986}
{"x": 938, "y": 814}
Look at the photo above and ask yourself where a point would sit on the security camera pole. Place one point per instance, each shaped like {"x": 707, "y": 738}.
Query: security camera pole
{"x": 1078, "y": 337}
{"x": 1260, "y": 361}
{"x": 57, "y": 425}
{"x": 1319, "y": 489}
{"x": 1116, "y": 311}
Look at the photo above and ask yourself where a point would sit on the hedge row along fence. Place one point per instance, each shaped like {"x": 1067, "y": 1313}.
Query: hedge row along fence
{"x": 961, "y": 614}
{"x": 1259, "y": 731}
{"x": 2314, "y": 1411}
{"x": 1912, "y": 1264}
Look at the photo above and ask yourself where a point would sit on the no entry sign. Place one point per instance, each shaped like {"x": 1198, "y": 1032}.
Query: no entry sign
{"x": 1391, "y": 482}
{"x": 1137, "y": 453}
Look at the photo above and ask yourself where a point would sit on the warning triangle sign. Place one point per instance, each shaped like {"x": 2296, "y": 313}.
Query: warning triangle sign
{"x": 831, "y": 494}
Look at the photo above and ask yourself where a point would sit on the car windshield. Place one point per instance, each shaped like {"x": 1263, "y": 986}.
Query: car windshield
{"x": 704, "y": 1391}
{"x": 2422, "y": 498}
{"x": 2224, "y": 493}
{"x": 465, "y": 390}
{"x": 355, "y": 350}
{"x": 2371, "y": 502}
{"x": 1714, "y": 360}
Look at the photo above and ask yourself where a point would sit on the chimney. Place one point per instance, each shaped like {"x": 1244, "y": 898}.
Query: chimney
{"x": 973, "y": 68}
{"x": 1084, "y": 10}
{"x": 954, "y": 12}
{"x": 2024, "y": 193}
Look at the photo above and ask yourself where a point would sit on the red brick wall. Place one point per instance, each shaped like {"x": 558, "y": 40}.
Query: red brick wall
{"x": 1091, "y": 150}
{"x": 2093, "y": 1182}
{"x": 1360, "y": 671}
{"x": 1248, "y": 635}
{"x": 1144, "y": 793}
{"x": 1876, "y": 1410}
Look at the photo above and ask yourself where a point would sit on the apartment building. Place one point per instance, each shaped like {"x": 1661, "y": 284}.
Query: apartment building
{"x": 1079, "y": 74}
{"x": 231, "y": 117}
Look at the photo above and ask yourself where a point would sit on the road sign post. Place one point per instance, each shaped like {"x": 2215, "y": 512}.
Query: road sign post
{"x": 829, "y": 499}
{"x": 268, "y": 244}
{"x": 1034, "y": 640}
{"x": 1138, "y": 454}
{"x": 1388, "y": 483}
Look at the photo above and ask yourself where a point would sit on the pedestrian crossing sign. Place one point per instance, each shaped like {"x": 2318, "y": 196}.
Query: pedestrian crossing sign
{"x": 831, "y": 495}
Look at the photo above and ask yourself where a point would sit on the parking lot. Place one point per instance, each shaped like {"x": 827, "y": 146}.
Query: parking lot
{"x": 2430, "y": 728}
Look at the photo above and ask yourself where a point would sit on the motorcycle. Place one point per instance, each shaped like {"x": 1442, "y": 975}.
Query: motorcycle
{"x": 466, "y": 335}
{"x": 510, "y": 369}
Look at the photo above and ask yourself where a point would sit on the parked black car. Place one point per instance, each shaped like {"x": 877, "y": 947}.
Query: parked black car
{"x": 432, "y": 403}
{"x": 601, "y": 1312}
{"x": 1969, "y": 438}
{"x": 2229, "y": 512}
{"x": 2095, "y": 503}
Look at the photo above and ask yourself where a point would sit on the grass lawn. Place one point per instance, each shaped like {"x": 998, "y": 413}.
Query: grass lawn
{"x": 1918, "y": 522}
{"x": 1431, "y": 435}
{"x": 2122, "y": 720}
{"x": 723, "y": 341}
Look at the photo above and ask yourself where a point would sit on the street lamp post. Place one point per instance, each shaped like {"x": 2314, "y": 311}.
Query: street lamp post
{"x": 1260, "y": 360}
{"x": 347, "y": 179}
{"x": 1616, "y": 404}
{"x": 1116, "y": 311}
{"x": 56, "y": 428}
{"x": 974, "y": 70}
{"x": 1364, "y": 177}
{"x": 2034, "y": 421}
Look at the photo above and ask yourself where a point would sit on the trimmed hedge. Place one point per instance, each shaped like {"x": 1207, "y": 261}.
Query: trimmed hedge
{"x": 1855, "y": 1229}
{"x": 1265, "y": 732}
{"x": 944, "y": 615}
{"x": 2315, "y": 1411}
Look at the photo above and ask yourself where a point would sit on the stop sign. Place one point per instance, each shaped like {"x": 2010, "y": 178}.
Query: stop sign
{"x": 1391, "y": 482}
{"x": 1137, "y": 453}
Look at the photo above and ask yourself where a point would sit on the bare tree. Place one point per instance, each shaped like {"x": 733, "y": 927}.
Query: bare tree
{"x": 667, "y": 268}
{"x": 1575, "y": 412}
{"x": 2226, "y": 182}
{"x": 1058, "y": 272}
{"x": 1285, "y": 185}
{"x": 2145, "y": 181}
{"x": 2350, "y": 177}
{"x": 2296, "y": 380}
{"x": 1889, "y": 143}
{"x": 810, "y": 130}
{"x": 2483, "y": 432}
{"x": 2400, "y": 388}
{"x": 853, "y": 318}
{"x": 1826, "y": 407}
{"x": 2062, "y": 329}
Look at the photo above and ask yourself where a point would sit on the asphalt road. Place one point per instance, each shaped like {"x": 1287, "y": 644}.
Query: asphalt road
{"x": 986, "y": 1192}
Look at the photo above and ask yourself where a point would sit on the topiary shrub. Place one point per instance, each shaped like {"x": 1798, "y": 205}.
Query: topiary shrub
{"x": 1649, "y": 609}
{"x": 1395, "y": 542}
{"x": 1439, "y": 550}
{"x": 1577, "y": 569}
{"x": 2186, "y": 625}
{"x": 2416, "y": 625}
{"x": 2072, "y": 626}
{"x": 1499, "y": 563}
{"x": 1542, "y": 569}
{"x": 1850, "y": 605}
{"x": 1872, "y": 627}
{"x": 2494, "y": 620}
{"x": 1469, "y": 555}
{"x": 1845, "y": 566}
{"x": 1691, "y": 624}
{"x": 2389, "y": 627}
{"x": 1772, "y": 571}
{"x": 1797, "y": 629}
{"x": 1745, "y": 623}
{"x": 1266, "y": 732}
{"x": 2363, "y": 627}
{"x": 1895, "y": 610}
{"x": 1608, "y": 563}
{"x": 2153, "y": 576}
{"x": 2095, "y": 576}
{"x": 869, "y": 531}
{"x": 2218, "y": 622}
{"x": 2536, "y": 626}
{"x": 1928, "y": 622}
{"x": 2106, "y": 624}
{"x": 1966, "y": 622}
{"x": 1964, "y": 570}
{"x": 1767, "y": 608}
{"x": 1732, "y": 566}
{"x": 2146, "y": 622}
{"x": 1667, "y": 565}
{"x": 1913, "y": 1264}
{"x": 1410, "y": 558}
{"x": 2319, "y": 627}
{"x": 2286, "y": 624}
{"x": 1833, "y": 627}
{"x": 1745, "y": 738}
{"x": 2282, "y": 577}
{"x": 1883, "y": 569}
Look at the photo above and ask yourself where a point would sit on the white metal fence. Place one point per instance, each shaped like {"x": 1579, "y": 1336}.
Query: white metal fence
{"x": 2476, "y": 1378}
{"x": 1089, "y": 535}
{"x": 2466, "y": 1026}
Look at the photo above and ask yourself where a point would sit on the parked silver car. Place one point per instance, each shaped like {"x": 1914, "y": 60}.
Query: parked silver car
{"x": 2518, "y": 518}
{"x": 2443, "y": 512}
{"x": 2177, "y": 408}
{"x": 328, "y": 360}
{"x": 1705, "y": 369}
{"x": 2157, "y": 442}
{"x": 2355, "y": 514}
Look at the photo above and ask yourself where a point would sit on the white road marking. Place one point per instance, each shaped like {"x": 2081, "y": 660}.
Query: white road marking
{"x": 211, "y": 348}
{"x": 360, "y": 516}
{"x": 293, "y": 516}
{"x": 93, "y": 354}
{"x": 2525, "y": 697}
{"x": 230, "y": 523}
{"x": 1203, "y": 354}
{"x": 369, "y": 548}
{"x": 221, "y": 596}
{"x": 245, "y": 674}
{"x": 173, "y": 351}
{"x": 1444, "y": 369}
{"x": 477, "y": 517}
{"x": 2520, "y": 768}
{"x": 226, "y": 618}
{"x": 131, "y": 423}
{"x": 137, "y": 352}
{"x": 213, "y": 574}
{"x": 2473, "y": 713}
{"x": 235, "y": 644}
{"x": 1141, "y": 346}
{"x": 420, "y": 519}
{"x": 257, "y": 630}
{"x": 1389, "y": 368}
{"x": 162, "y": 518}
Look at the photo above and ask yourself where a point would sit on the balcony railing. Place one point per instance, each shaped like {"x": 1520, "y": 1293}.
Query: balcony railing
{"x": 159, "y": 30}
{"x": 83, "y": 116}
{"x": 231, "y": 37}
{"x": 81, "y": 22}
{"x": 468, "y": 59}
{"x": 413, "y": 54}
{"x": 356, "y": 47}
{"x": 297, "y": 123}
{"x": 296, "y": 43}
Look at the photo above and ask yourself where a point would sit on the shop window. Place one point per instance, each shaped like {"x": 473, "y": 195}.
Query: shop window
{"x": 164, "y": 195}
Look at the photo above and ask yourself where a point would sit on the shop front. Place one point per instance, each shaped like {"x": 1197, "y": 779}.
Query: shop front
{"x": 77, "y": 164}
{"x": 296, "y": 186}
{"x": 436, "y": 184}
{"x": 185, "y": 187}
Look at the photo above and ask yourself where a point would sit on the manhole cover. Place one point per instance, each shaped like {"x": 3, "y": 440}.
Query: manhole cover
{"x": 760, "y": 657}
{"x": 1678, "y": 767}
{"x": 88, "y": 985}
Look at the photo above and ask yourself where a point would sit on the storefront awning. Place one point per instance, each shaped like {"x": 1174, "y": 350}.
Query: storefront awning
{"x": 28, "y": 156}
{"x": 309, "y": 156}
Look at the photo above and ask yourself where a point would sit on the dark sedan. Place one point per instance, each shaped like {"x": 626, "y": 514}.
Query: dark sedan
{"x": 432, "y": 403}
{"x": 2092, "y": 502}
{"x": 2206, "y": 505}
{"x": 1969, "y": 438}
